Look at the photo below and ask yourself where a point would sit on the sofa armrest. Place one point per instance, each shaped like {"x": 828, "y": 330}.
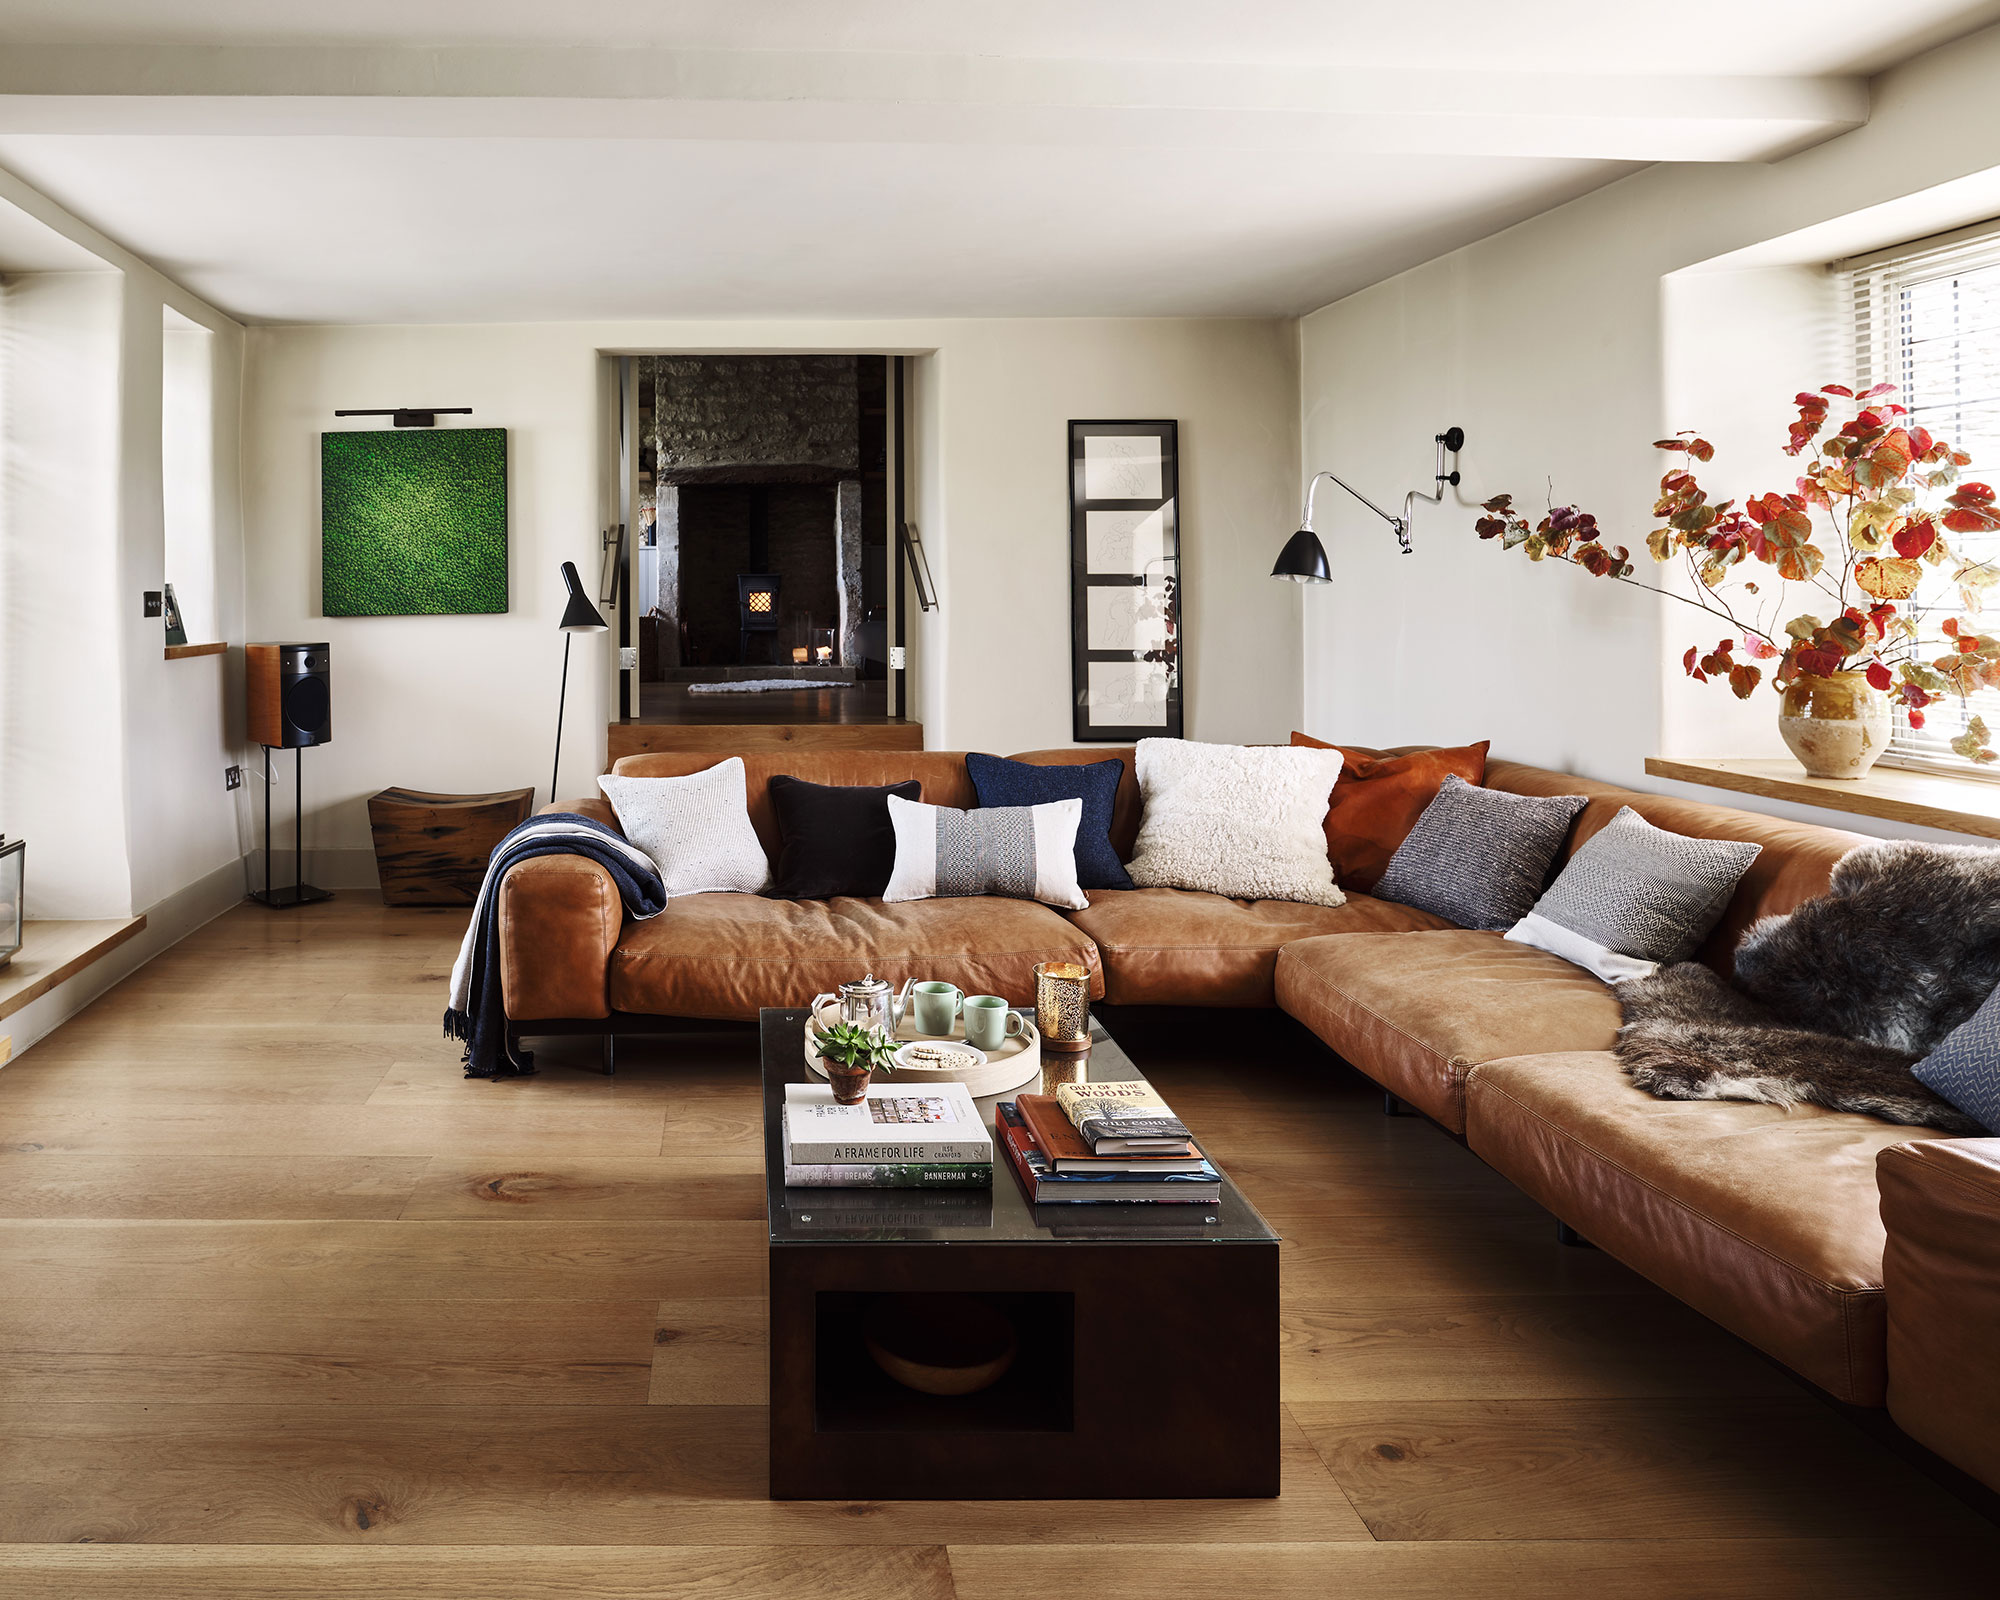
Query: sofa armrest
{"x": 560, "y": 918}
{"x": 1941, "y": 1270}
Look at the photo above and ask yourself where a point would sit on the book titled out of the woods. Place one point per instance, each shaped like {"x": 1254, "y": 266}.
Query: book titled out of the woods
{"x": 882, "y": 1174}
{"x": 1124, "y": 1116}
{"x": 895, "y": 1124}
{"x": 1046, "y": 1186}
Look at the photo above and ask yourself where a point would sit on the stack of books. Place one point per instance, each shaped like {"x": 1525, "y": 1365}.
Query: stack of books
{"x": 898, "y": 1137}
{"x": 1099, "y": 1143}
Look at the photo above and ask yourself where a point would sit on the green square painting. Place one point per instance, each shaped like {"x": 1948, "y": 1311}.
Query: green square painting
{"x": 413, "y": 522}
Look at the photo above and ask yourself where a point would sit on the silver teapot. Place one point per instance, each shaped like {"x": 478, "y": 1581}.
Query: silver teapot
{"x": 867, "y": 1003}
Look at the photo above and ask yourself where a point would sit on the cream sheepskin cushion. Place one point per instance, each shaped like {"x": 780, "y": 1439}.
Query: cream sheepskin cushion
{"x": 696, "y": 829}
{"x": 1237, "y": 820}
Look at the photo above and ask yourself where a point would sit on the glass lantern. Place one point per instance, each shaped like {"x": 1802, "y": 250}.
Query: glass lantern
{"x": 13, "y": 867}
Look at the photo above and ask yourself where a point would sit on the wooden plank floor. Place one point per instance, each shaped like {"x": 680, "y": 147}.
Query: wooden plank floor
{"x": 289, "y": 1308}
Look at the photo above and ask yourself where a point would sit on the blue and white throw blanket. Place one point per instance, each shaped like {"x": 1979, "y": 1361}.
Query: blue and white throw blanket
{"x": 478, "y": 1011}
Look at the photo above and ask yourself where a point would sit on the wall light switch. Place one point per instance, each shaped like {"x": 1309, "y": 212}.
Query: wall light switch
{"x": 628, "y": 658}
{"x": 152, "y": 602}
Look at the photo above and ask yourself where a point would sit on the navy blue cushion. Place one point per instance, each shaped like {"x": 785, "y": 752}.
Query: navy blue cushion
{"x": 1001, "y": 782}
{"x": 1965, "y": 1067}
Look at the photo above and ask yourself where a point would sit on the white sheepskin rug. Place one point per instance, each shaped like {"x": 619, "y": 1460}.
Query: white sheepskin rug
{"x": 765, "y": 685}
{"x": 1239, "y": 820}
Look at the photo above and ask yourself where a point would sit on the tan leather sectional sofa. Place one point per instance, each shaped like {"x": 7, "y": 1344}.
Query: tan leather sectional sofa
{"x": 1864, "y": 1256}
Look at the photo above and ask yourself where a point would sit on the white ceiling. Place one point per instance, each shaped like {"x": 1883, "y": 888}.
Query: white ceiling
{"x": 476, "y": 160}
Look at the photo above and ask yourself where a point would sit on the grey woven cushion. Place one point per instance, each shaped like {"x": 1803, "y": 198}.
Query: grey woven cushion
{"x": 1639, "y": 891}
{"x": 1965, "y": 1068}
{"x": 1479, "y": 857}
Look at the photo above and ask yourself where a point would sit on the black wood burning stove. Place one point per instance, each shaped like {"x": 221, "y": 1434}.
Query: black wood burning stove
{"x": 757, "y": 605}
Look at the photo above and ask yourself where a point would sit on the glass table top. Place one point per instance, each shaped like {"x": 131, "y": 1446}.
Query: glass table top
{"x": 1000, "y": 1215}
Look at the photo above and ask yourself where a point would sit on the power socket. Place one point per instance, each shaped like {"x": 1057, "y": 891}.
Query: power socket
{"x": 232, "y": 777}
{"x": 898, "y": 661}
{"x": 628, "y": 658}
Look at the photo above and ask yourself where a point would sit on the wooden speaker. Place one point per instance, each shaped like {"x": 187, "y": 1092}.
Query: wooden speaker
{"x": 289, "y": 688}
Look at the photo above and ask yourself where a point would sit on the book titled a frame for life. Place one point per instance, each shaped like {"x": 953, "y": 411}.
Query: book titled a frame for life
{"x": 892, "y": 1123}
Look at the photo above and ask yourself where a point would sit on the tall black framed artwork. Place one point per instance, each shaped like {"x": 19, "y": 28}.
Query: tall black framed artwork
{"x": 1125, "y": 588}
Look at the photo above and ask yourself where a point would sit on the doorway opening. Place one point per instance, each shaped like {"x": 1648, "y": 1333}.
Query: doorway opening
{"x": 765, "y": 520}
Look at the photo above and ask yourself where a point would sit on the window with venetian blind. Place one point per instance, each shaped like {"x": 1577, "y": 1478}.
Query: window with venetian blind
{"x": 1927, "y": 319}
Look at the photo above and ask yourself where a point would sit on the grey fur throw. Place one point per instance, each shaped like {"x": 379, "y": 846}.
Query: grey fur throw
{"x": 1836, "y": 1000}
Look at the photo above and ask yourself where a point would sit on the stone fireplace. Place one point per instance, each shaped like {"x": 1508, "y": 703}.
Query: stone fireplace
{"x": 756, "y": 467}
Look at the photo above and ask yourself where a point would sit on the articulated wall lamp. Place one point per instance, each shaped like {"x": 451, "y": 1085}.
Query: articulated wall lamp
{"x": 1303, "y": 560}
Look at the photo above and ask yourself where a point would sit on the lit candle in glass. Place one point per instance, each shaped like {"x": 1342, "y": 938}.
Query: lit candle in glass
{"x": 799, "y": 654}
{"x": 825, "y": 653}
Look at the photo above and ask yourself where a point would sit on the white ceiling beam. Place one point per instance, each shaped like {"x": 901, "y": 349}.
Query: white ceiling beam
{"x": 857, "y": 97}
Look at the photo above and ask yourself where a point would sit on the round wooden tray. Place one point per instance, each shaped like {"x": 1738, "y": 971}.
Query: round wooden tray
{"x": 1016, "y": 1062}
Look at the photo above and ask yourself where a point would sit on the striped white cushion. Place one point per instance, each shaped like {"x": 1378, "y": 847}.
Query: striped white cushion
{"x": 1023, "y": 852}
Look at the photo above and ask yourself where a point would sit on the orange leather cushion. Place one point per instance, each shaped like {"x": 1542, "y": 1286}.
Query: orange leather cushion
{"x": 1378, "y": 800}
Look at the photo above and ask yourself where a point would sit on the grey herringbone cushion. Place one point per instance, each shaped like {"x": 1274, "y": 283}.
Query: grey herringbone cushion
{"x": 1635, "y": 897}
{"x": 1965, "y": 1068}
{"x": 1479, "y": 857}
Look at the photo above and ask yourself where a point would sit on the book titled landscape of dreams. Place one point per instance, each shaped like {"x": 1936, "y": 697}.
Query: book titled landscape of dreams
{"x": 892, "y": 1124}
{"x": 1125, "y": 1114}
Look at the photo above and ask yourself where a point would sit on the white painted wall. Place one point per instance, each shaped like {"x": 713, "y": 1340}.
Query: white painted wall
{"x": 111, "y": 756}
{"x": 61, "y": 746}
{"x": 468, "y": 703}
{"x": 1549, "y": 343}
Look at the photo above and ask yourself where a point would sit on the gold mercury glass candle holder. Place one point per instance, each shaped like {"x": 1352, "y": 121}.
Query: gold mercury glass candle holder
{"x": 1062, "y": 1006}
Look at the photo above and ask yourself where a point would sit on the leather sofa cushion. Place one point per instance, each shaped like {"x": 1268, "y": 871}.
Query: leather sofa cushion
{"x": 1417, "y": 1011}
{"x": 1941, "y": 1207}
{"x": 1762, "y": 1217}
{"x": 1796, "y": 860}
{"x": 1180, "y": 947}
{"x": 725, "y": 956}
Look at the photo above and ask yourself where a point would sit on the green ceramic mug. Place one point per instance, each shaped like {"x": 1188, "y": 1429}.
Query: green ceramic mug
{"x": 936, "y": 1005}
{"x": 990, "y": 1021}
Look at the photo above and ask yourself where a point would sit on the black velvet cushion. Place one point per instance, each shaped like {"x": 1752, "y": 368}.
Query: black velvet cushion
{"x": 837, "y": 838}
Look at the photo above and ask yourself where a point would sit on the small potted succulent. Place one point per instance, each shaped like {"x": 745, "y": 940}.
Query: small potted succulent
{"x": 852, "y": 1054}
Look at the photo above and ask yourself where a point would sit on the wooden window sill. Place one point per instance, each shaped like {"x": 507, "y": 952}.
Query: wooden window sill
{"x": 180, "y": 652}
{"x": 53, "y": 951}
{"x": 1895, "y": 794}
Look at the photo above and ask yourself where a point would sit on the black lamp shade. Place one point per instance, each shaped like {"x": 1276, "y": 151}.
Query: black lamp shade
{"x": 580, "y": 616}
{"x": 1303, "y": 560}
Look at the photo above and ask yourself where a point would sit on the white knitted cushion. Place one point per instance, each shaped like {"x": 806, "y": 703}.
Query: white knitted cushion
{"x": 1245, "y": 821}
{"x": 696, "y": 829}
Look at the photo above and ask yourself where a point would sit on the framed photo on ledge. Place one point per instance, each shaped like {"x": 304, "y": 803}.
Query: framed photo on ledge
{"x": 1125, "y": 589}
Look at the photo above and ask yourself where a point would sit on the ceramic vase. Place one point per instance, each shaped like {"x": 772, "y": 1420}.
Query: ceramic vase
{"x": 1835, "y": 726}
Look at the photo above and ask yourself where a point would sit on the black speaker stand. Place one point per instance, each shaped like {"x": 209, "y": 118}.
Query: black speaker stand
{"x": 298, "y": 892}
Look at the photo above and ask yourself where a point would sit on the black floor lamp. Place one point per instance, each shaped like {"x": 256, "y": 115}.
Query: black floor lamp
{"x": 579, "y": 616}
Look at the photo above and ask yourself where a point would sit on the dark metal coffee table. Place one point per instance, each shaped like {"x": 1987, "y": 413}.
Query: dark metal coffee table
{"x": 1148, "y": 1335}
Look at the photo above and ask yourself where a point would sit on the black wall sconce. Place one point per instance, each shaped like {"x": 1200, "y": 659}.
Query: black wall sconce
{"x": 1303, "y": 560}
